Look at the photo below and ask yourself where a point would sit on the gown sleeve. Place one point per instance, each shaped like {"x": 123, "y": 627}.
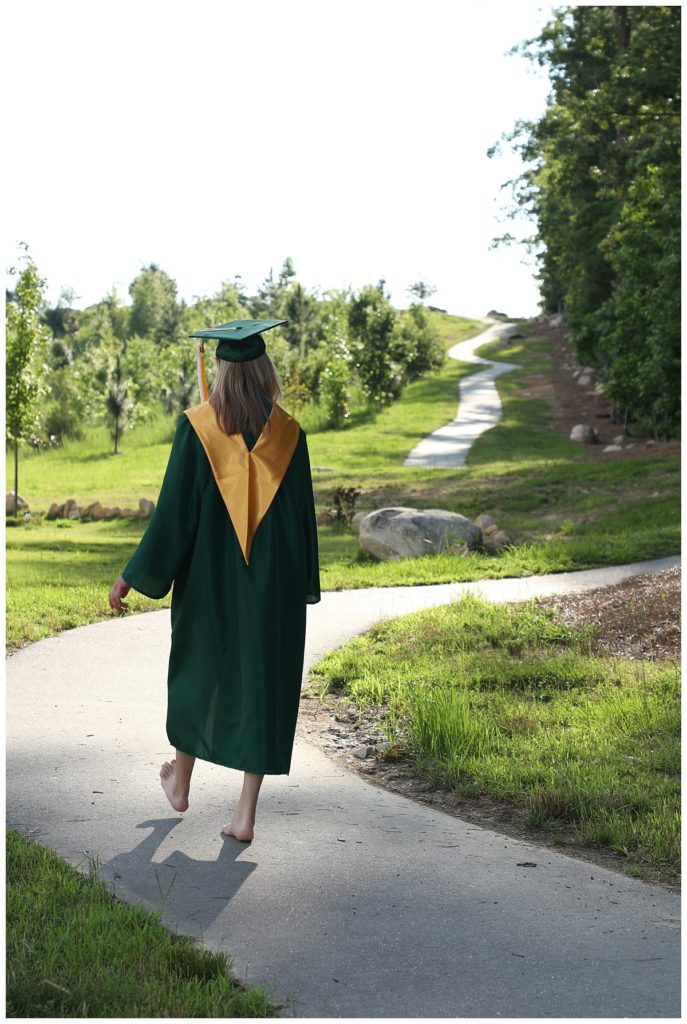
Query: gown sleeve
{"x": 310, "y": 525}
{"x": 171, "y": 531}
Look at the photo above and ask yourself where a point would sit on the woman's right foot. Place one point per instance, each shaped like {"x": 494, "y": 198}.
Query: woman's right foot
{"x": 168, "y": 778}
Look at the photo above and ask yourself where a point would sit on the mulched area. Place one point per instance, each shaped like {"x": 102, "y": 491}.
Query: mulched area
{"x": 636, "y": 619}
{"x": 573, "y": 403}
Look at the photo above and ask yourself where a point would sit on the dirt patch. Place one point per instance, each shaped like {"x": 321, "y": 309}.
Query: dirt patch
{"x": 573, "y": 403}
{"x": 638, "y": 618}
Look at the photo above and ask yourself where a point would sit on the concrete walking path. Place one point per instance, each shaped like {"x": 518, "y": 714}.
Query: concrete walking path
{"x": 479, "y": 407}
{"x": 351, "y": 901}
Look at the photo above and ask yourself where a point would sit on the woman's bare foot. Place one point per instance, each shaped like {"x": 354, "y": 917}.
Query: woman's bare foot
{"x": 168, "y": 778}
{"x": 240, "y": 827}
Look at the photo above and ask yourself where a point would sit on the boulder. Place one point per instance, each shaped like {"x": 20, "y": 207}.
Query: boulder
{"x": 584, "y": 379}
{"x": 613, "y": 448}
{"x": 113, "y": 513}
{"x": 585, "y": 433}
{"x": 145, "y": 508}
{"x": 484, "y": 521}
{"x": 94, "y": 511}
{"x": 389, "y": 533}
{"x": 494, "y": 542}
{"x": 75, "y": 513}
{"x": 556, "y": 320}
{"x": 511, "y": 332}
{"x": 128, "y": 513}
{"x": 67, "y": 508}
{"x": 357, "y": 520}
{"x": 9, "y": 503}
{"x": 55, "y": 511}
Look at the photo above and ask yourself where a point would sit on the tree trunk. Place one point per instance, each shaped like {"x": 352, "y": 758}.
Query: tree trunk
{"x": 16, "y": 477}
{"x": 623, "y": 27}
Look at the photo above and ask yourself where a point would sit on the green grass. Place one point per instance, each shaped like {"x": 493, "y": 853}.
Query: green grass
{"x": 75, "y": 951}
{"x": 563, "y": 507}
{"x": 501, "y": 700}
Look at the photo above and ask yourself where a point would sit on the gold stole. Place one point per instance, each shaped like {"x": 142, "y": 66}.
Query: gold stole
{"x": 247, "y": 480}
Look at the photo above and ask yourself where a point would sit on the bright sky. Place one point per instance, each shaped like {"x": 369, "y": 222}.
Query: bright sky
{"x": 217, "y": 138}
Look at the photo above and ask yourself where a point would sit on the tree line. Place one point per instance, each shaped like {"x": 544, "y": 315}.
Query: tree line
{"x": 602, "y": 184}
{"x": 119, "y": 363}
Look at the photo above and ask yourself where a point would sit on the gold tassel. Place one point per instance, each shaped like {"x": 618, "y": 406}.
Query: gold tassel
{"x": 202, "y": 378}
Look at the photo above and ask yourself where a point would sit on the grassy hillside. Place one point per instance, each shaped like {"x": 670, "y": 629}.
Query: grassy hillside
{"x": 563, "y": 508}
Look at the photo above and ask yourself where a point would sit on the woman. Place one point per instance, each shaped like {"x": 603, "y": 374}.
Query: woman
{"x": 234, "y": 529}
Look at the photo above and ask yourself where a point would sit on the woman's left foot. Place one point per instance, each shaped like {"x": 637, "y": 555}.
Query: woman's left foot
{"x": 168, "y": 778}
{"x": 239, "y": 828}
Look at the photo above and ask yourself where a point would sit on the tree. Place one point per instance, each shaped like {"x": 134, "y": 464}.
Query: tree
{"x": 299, "y": 309}
{"x": 335, "y": 378}
{"x": 601, "y": 183}
{"x": 376, "y": 349}
{"x": 24, "y": 371}
{"x": 154, "y": 312}
{"x": 421, "y": 342}
{"x": 421, "y": 290}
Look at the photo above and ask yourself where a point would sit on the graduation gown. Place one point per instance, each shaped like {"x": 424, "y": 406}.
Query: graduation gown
{"x": 234, "y": 530}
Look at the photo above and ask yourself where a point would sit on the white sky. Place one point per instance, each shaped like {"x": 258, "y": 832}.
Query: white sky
{"x": 217, "y": 138}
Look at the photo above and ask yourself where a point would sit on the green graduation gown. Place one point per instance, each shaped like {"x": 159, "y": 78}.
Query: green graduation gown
{"x": 242, "y": 580}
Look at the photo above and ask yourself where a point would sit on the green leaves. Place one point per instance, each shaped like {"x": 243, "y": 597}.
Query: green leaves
{"x": 603, "y": 187}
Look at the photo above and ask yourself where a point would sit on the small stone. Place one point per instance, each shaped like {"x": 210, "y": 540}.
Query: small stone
{"x": 613, "y": 448}
{"x": 9, "y": 503}
{"x": 145, "y": 508}
{"x": 362, "y": 752}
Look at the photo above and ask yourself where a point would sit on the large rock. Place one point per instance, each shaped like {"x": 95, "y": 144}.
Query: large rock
{"x": 585, "y": 433}
{"x": 9, "y": 503}
{"x": 390, "y": 533}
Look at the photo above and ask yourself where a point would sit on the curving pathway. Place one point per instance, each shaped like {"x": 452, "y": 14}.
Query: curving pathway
{"x": 351, "y": 901}
{"x": 479, "y": 407}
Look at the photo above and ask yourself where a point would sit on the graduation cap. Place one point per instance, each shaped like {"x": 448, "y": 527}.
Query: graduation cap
{"x": 239, "y": 340}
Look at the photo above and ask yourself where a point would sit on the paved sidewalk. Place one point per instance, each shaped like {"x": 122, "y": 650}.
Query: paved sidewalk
{"x": 479, "y": 407}
{"x": 351, "y": 901}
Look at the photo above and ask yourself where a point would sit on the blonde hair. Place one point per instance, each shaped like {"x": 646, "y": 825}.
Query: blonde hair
{"x": 238, "y": 393}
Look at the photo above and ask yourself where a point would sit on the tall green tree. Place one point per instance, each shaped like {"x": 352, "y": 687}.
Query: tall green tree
{"x": 155, "y": 311}
{"x": 377, "y": 349}
{"x": 25, "y": 353}
{"x": 601, "y": 183}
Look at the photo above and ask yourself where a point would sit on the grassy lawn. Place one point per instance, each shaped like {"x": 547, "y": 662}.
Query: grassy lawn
{"x": 563, "y": 508}
{"x": 500, "y": 699}
{"x": 75, "y": 951}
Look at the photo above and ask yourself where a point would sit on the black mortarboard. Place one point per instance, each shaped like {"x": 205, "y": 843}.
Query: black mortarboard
{"x": 239, "y": 340}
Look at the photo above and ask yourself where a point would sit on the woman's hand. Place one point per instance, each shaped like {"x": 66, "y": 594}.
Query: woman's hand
{"x": 119, "y": 590}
